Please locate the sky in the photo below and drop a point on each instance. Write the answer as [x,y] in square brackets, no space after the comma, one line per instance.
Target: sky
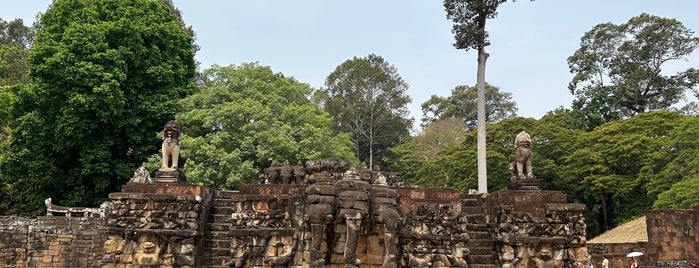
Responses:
[308,39]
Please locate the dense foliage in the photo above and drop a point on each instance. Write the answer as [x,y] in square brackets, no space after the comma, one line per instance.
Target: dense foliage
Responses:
[366,96]
[247,117]
[618,68]
[105,74]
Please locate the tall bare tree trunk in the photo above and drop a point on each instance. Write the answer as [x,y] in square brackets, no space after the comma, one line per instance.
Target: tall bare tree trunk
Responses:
[480,117]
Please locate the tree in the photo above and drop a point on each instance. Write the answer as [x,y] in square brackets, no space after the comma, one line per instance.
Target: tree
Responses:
[462,105]
[682,195]
[105,77]
[612,169]
[409,157]
[676,184]
[469,17]
[618,68]
[367,98]
[15,41]
[246,118]
[15,33]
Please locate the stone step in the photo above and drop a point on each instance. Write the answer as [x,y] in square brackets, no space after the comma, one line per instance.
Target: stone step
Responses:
[478,227]
[479,236]
[217,243]
[476,218]
[481,259]
[210,234]
[479,243]
[220,218]
[223,210]
[480,250]
[478,265]
[223,203]
[470,210]
[218,226]
[472,202]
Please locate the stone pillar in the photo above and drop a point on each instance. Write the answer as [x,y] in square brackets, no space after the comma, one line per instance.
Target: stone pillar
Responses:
[319,210]
[353,206]
[384,210]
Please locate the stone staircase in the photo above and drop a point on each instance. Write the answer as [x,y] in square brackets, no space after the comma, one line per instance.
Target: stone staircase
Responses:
[482,254]
[217,238]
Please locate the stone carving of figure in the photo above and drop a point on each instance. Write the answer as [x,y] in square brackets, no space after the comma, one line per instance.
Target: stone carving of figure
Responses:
[352,202]
[113,247]
[172,160]
[419,257]
[508,259]
[579,257]
[141,175]
[299,173]
[385,211]
[147,253]
[282,251]
[240,251]
[546,257]
[319,209]
[522,167]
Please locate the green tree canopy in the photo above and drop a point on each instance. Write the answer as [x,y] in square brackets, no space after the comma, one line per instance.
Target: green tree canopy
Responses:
[455,166]
[408,157]
[462,105]
[247,117]
[681,195]
[612,168]
[367,98]
[677,184]
[618,68]
[105,74]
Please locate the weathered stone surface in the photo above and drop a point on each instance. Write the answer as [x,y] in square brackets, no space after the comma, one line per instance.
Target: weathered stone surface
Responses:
[341,222]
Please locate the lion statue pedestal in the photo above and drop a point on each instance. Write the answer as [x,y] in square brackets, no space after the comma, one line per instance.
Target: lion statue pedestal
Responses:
[173,161]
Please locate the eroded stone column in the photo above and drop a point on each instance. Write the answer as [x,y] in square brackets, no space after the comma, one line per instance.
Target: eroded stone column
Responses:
[353,206]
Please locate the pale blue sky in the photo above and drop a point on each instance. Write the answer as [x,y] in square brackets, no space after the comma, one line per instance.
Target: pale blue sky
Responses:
[307,39]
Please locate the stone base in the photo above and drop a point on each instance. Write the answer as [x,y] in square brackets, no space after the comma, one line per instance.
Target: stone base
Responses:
[175,176]
[523,184]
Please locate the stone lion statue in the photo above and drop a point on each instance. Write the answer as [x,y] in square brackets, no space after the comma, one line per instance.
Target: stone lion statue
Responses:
[171,146]
[521,168]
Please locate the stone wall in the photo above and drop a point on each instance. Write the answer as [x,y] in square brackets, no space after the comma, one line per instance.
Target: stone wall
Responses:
[673,237]
[336,222]
[51,241]
[673,242]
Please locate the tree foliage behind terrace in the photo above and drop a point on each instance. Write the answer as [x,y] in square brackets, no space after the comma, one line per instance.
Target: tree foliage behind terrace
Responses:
[15,41]
[618,170]
[105,74]
[618,69]
[367,98]
[246,118]
[461,104]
